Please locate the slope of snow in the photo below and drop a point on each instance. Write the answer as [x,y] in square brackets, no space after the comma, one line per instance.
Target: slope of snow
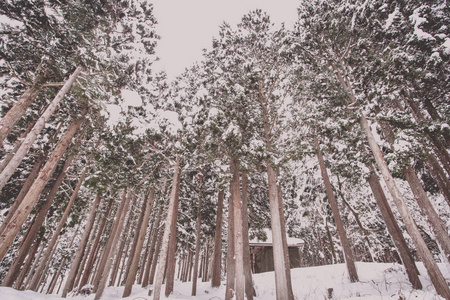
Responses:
[377,281]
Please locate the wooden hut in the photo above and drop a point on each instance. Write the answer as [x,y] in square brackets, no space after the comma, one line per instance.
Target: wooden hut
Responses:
[261,253]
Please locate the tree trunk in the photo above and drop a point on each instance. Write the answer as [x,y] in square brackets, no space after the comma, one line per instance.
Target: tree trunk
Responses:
[421,247]
[171,255]
[281,282]
[31,137]
[16,112]
[35,281]
[109,255]
[61,265]
[171,214]
[27,264]
[145,257]
[438,175]
[24,190]
[231,261]
[95,247]
[330,238]
[24,209]
[81,248]
[421,197]
[287,261]
[124,243]
[197,236]
[155,258]
[337,217]
[155,236]
[427,208]
[217,259]
[249,291]
[143,230]
[111,242]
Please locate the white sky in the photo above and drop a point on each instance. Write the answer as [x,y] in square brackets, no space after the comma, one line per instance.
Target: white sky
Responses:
[188,26]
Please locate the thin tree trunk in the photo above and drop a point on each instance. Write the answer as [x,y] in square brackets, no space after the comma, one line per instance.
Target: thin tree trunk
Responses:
[143,229]
[197,236]
[96,245]
[249,291]
[87,251]
[37,128]
[155,258]
[171,214]
[217,257]
[421,197]
[35,281]
[111,242]
[330,239]
[61,265]
[103,278]
[155,236]
[27,263]
[337,217]
[24,209]
[357,219]
[124,243]
[421,247]
[16,112]
[146,253]
[81,248]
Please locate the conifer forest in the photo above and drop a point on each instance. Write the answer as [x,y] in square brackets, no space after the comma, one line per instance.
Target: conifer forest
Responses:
[334,133]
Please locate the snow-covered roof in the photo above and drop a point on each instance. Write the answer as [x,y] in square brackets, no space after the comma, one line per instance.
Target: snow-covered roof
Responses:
[290,240]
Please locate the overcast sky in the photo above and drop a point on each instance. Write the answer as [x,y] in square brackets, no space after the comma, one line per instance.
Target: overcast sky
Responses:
[188,26]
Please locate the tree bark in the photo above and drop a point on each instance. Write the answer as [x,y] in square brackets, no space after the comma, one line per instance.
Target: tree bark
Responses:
[171,214]
[171,255]
[421,197]
[151,253]
[427,208]
[24,209]
[81,248]
[16,112]
[249,291]
[143,230]
[61,265]
[37,128]
[281,282]
[231,261]
[217,259]
[109,254]
[27,263]
[24,190]
[238,242]
[124,243]
[111,241]
[287,261]
[421,247]
[35,281]
[95,247]
[394,230]
[337,217]
[197,236]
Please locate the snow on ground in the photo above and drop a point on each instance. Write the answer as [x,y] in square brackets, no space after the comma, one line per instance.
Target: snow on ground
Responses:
[377,281]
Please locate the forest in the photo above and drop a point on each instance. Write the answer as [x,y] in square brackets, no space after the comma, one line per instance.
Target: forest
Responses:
[111,174]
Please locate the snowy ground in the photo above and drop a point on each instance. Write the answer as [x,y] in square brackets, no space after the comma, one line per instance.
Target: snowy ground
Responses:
[377,281]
